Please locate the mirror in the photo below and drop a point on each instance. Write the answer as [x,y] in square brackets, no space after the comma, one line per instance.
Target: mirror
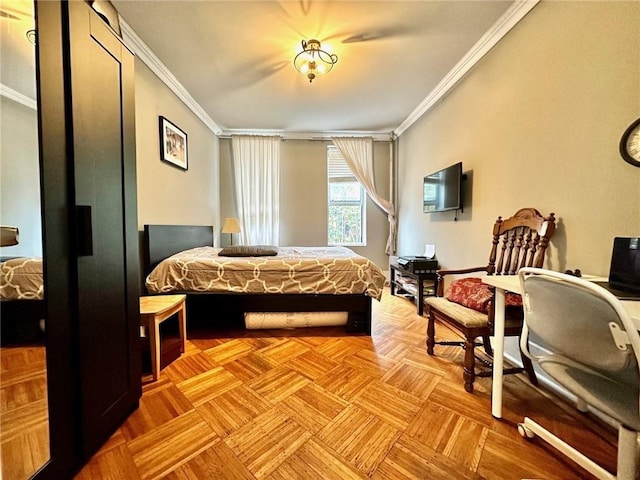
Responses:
[24,426]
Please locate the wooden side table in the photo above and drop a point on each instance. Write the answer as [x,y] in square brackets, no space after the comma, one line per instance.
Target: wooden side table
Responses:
[153,311]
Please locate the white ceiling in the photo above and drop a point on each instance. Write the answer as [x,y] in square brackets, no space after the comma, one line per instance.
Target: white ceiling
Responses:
[17,54]
[235,58]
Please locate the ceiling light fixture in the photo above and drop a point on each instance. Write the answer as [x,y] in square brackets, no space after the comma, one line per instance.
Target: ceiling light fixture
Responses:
[313,61]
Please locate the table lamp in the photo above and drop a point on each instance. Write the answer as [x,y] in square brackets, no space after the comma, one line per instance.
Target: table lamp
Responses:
[231,226]
[8,236]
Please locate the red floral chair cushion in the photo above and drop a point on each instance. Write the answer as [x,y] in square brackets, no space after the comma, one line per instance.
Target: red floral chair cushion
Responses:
[472,293]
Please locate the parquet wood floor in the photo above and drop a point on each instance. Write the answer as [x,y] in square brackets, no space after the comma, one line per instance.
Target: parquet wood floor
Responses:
[316,404]
[24,429]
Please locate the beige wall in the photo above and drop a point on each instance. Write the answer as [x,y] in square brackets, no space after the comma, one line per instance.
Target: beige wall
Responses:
[536,123]
[20,177]
[303,196]
[166,194]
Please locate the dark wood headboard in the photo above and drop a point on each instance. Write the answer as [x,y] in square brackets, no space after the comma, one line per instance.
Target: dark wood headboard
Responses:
[162,241]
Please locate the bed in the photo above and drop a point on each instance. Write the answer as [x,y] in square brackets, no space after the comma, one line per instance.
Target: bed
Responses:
[231,296]
[21,300]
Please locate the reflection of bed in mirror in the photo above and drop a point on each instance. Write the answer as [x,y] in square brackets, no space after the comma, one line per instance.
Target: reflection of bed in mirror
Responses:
[21,300]
[335,280]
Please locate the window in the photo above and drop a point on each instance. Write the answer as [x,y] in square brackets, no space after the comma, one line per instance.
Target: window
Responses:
[347,211]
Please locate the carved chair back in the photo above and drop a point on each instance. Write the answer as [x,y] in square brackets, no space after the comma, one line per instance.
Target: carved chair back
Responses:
[520,241]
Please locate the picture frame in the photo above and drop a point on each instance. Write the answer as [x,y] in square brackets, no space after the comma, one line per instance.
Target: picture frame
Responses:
[173,144]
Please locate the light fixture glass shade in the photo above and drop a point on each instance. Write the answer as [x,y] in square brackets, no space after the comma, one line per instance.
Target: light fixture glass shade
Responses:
[231,225]
[8,236]
[313,61]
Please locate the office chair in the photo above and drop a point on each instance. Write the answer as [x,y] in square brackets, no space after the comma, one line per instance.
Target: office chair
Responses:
[593,351]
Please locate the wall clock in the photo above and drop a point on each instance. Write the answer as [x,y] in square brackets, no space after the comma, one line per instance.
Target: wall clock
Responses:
[630,144]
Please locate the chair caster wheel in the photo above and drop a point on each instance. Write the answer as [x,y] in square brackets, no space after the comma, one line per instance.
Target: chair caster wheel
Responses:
[525,432]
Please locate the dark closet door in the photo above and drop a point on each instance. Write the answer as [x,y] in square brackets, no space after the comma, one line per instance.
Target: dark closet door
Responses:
[102,109]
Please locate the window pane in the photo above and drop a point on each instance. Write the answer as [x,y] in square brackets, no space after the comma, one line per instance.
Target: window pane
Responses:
[344,192]
[346,199]
[345,224]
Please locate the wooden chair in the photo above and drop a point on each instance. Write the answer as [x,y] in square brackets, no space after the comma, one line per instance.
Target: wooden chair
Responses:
[519,241]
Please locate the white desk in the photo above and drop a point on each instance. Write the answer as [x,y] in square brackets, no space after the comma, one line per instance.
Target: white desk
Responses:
[511,283]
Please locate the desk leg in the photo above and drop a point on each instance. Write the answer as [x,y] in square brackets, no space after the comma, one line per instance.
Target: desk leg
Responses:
[420,295]
[498,354]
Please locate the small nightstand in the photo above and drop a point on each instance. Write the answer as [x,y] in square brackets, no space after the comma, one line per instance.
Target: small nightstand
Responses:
[153,311]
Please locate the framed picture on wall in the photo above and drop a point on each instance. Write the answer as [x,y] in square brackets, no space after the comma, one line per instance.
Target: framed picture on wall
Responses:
[173,144]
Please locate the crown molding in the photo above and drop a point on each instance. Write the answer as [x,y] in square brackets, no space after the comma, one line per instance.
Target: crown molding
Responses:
[144,53]
[497,31]
[325,136]
[18,97]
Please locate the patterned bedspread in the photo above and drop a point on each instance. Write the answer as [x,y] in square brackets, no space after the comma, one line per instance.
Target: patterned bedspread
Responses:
[307,270]
[21,279]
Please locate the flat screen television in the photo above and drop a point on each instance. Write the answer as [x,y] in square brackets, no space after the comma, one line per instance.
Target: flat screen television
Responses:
[441,191]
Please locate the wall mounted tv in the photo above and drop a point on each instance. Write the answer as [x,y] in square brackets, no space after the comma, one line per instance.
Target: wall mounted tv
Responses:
[442,190]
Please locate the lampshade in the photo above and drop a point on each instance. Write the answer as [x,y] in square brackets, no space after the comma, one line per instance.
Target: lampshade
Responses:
[231,225]
[8,236]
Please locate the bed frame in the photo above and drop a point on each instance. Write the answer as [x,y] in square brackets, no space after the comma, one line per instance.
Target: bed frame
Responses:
[20,322]
[162,241]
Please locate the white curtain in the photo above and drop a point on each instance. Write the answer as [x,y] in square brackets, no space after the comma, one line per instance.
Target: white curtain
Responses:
[358,153]
[256,162]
